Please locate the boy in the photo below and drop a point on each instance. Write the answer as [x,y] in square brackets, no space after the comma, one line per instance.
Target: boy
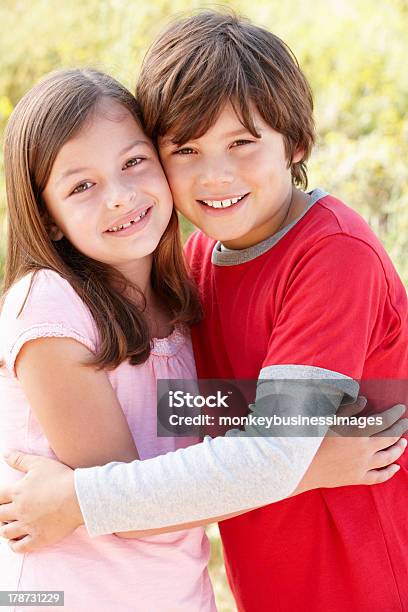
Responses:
[293,285]
[297,287]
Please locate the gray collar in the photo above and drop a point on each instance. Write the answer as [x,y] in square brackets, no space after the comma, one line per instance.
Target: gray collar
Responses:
[221,256]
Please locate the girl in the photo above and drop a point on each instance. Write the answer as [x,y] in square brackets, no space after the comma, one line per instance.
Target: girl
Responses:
[96,292]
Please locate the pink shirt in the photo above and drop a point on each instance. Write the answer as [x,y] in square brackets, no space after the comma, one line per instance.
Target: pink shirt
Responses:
[166,573]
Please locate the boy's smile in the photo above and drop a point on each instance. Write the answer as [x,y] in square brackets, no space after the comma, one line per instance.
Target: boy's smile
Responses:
[233,186]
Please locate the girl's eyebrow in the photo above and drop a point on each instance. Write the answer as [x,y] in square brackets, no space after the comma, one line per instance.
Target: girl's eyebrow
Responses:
[128,147]
[71,171]
[134,143]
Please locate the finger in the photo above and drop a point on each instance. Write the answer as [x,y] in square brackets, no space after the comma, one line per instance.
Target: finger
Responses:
[388,418]
[5,495]
[26,544]
[396,430]
[8,512]
[381,443]
[378,476]
[20,461]
[12,530]
[352,409]
[385,457]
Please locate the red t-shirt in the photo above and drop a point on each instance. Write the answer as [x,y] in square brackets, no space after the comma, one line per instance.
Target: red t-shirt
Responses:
[324,294]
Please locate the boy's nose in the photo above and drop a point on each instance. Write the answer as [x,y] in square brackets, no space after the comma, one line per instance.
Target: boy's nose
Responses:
[214,175]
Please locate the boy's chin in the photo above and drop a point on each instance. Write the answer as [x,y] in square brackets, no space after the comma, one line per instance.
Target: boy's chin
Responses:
[219,235]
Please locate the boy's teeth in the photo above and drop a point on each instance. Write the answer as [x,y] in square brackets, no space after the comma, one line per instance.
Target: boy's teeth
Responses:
[222,203]
[116,228]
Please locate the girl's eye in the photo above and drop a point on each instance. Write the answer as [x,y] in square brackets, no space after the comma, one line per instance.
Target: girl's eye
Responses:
[239,143]
[184,151]
[82,187]
[135,161]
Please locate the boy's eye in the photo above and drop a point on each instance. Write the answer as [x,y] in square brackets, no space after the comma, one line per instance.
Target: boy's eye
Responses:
[184,151]
[238,143]
[82,187]
[134,161]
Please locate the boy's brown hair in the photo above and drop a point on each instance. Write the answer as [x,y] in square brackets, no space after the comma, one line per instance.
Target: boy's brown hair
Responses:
[200,63]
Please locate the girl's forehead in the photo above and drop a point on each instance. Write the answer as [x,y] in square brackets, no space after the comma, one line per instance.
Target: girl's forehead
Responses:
[103,136]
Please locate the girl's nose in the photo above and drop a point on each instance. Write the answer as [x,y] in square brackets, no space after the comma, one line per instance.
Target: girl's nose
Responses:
[119,197]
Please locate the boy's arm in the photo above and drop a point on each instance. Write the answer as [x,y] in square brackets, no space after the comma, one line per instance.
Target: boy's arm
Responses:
[321,338]
[224,475]
[42,508]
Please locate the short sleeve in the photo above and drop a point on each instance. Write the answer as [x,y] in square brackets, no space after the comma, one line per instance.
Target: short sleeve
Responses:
[332,310]
[43,304]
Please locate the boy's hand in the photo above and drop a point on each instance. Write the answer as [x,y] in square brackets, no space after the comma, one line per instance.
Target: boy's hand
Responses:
[42,507]
[345,457]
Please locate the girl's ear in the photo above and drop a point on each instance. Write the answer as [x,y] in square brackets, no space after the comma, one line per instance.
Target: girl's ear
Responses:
[55,233]
[52,229]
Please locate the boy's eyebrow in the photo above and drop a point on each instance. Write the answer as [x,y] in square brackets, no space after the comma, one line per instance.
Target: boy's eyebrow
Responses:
[242,130]
[168,140]
[128,147]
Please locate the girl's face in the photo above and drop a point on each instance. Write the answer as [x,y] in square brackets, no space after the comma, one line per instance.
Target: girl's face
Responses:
[107,192]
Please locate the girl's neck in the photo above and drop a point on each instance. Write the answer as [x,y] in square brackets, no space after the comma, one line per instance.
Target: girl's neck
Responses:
[139,274]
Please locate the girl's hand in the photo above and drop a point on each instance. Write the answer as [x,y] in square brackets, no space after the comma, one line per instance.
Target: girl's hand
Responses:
[41,508]
[346,457]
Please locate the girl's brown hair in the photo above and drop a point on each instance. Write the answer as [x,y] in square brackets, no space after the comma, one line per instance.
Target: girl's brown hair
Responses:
[49,115]
[199,63]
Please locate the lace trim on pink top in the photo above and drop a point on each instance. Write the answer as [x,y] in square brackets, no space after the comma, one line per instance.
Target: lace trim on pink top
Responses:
[171,344]
[161,347]
[44,330]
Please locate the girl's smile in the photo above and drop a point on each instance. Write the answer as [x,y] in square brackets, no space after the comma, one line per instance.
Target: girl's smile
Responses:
[132,223]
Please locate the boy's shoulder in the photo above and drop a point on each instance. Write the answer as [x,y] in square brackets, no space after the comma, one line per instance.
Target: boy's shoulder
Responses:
[331,216]
[331,222]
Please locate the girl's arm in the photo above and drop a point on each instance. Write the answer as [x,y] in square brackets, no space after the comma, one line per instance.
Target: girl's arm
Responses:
[75,405]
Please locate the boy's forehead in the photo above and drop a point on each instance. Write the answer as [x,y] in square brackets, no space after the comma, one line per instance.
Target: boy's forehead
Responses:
[228,124]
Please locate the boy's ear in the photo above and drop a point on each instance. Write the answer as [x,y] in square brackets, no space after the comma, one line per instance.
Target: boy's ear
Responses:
[298,155]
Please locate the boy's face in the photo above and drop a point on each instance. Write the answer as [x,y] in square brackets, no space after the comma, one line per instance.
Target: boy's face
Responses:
[234,187]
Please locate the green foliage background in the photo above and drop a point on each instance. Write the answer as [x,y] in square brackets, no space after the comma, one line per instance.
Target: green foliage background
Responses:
[354,53]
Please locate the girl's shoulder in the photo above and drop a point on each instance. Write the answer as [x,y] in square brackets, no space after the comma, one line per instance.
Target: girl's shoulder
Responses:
[44,289]
[44,304]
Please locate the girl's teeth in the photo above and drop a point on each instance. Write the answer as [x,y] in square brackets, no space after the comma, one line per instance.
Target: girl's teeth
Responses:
[116,228]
